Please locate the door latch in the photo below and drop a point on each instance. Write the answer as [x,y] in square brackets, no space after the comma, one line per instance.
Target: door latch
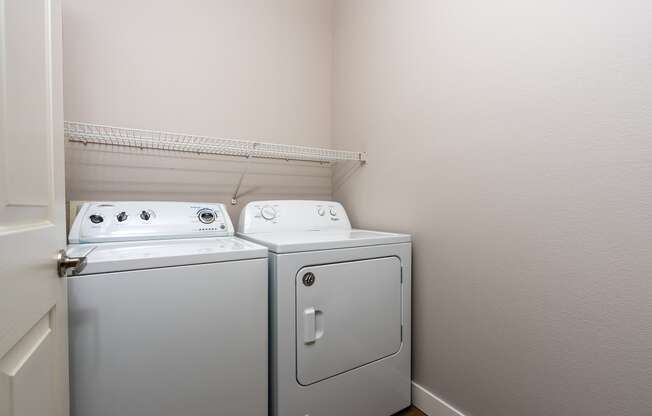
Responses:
[65,263]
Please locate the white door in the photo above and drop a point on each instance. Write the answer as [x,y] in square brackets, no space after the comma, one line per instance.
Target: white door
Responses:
[33,309]
[348,315]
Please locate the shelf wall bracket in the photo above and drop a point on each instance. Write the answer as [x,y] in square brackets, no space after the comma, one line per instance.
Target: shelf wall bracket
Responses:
[234,198]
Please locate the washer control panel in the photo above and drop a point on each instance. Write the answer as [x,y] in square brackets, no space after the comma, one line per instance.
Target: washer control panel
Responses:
[290,215]
[145,220]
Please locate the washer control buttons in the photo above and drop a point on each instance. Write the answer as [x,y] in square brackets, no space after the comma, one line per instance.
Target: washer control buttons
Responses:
[333,212]
[145,215]
[207,216]
[268,212]
[321,211]
[122,216]
[96,219]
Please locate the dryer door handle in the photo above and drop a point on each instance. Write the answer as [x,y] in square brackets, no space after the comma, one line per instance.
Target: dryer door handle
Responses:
[309,325]
[313,325]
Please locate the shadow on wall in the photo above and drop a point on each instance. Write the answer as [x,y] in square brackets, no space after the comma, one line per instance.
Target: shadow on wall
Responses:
[344,172]
[95,172]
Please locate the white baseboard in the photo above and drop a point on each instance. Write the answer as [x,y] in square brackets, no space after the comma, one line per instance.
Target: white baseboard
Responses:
[430,404]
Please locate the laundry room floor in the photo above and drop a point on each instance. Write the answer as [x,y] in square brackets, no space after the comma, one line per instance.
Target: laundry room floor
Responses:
[410,411]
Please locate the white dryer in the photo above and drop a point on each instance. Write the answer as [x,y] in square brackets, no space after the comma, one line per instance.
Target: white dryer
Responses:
[339,310]
[169,315]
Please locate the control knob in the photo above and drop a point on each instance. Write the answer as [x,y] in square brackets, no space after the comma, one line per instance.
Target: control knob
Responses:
[145,216]
[321,211]
[268,212]
[206,216]
[121,217]
[333,212]
[96,219]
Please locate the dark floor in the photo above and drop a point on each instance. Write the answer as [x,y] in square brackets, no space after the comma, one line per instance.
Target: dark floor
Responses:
[411,411]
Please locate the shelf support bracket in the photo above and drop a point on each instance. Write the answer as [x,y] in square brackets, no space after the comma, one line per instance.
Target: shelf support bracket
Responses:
[234,198]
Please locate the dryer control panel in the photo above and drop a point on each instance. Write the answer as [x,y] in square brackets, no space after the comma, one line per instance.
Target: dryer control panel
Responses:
[98,222]
[291,215]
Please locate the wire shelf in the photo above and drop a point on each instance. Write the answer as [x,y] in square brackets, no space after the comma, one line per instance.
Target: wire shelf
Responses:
[149,139]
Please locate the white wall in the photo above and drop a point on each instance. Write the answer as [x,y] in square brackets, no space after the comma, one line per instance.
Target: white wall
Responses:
[251,69]
[513,139]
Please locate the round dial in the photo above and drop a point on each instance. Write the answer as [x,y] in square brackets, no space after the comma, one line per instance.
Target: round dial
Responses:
[268,212]
[321,211]
[145,215]
[206,215]
[121,217]
[333,212]
[96,219]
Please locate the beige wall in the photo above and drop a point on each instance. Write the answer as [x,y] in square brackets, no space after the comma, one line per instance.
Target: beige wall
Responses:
[252,69]
[513,139]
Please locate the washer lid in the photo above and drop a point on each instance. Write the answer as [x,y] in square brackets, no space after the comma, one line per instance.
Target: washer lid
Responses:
[295,241]
[123,256]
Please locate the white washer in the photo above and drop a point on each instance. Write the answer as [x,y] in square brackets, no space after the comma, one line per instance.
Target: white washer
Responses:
[339,310]
[169,316]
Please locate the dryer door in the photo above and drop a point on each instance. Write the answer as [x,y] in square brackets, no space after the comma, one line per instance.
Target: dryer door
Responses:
[348,315]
